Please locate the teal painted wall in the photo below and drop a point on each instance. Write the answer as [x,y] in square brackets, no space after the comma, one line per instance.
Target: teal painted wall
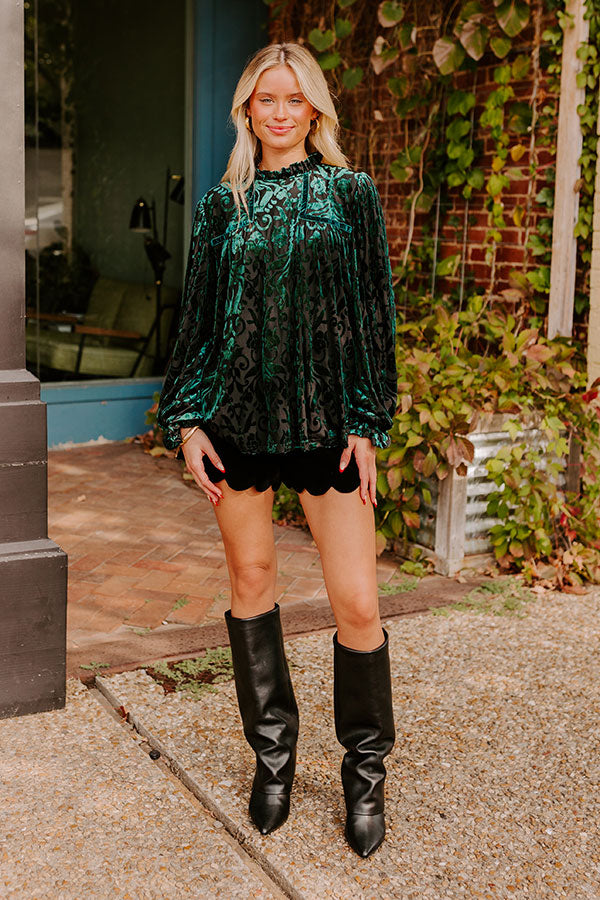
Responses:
[111,409]
[225,36]
[129,112]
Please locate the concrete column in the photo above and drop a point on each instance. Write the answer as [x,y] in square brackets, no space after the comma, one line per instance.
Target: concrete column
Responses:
[33,570]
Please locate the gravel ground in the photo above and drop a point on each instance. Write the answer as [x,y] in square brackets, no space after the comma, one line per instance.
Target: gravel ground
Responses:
[87,814]
[493,785]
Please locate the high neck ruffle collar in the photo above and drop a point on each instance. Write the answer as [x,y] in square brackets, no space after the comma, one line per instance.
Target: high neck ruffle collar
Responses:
[296,168]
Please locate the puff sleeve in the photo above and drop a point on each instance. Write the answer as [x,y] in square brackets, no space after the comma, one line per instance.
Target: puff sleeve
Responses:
[180,404]
[373,396]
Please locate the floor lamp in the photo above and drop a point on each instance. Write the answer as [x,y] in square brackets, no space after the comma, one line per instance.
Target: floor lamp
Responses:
[143,220]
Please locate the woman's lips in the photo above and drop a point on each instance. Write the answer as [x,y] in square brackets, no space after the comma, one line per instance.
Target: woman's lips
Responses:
[279,130]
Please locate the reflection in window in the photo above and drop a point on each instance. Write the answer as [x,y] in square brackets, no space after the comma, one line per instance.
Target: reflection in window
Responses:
[104,101]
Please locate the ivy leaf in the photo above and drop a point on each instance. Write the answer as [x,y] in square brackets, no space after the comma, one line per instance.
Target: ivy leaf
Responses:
[520,66]
[397,86]
[382,55]
[321,40]
[400,171]
[545,197]
[517,151]
[429,464]
[454,179]
[496,183]
[407,35]
[447,267]
[519,118]
[418,460]
[474,37]
[500,46]
[380,538]
[513,426]
[476,178]
[352,77]
[467,449]
[413,439]
[329,61]
[518,213]
[460,102]
[343,27]
[512,16]
[394,477]
[539,352]
[382,484]
[412,519]
[448,55]
[457,129]
[389,13]
[441,418]
[424,202]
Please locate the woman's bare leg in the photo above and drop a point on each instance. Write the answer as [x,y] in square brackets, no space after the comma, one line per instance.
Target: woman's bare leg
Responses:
[245,519]
[344,531]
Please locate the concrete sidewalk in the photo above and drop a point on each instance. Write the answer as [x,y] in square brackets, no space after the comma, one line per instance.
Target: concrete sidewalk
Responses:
[493,787]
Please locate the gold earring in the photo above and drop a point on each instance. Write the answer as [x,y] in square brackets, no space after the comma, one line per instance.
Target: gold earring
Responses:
[317,121]
[248,123]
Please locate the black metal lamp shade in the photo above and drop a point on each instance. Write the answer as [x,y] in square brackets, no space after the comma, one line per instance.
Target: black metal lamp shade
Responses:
[140,217]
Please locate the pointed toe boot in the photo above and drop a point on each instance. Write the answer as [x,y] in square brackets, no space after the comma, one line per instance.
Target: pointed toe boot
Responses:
[364,724]
[268,710]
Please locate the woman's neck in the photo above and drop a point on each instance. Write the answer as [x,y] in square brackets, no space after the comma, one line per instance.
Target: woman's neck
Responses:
[271,161]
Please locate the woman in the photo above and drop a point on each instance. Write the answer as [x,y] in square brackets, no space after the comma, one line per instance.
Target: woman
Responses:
[284,370]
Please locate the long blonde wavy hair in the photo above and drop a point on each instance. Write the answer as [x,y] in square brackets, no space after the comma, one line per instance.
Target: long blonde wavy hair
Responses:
[241,165]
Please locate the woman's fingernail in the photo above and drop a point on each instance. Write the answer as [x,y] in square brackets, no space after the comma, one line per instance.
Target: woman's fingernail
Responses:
[222,467]
[342,467]
[374,502]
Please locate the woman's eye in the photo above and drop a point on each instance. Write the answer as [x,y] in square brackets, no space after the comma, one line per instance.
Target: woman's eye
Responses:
[293,100]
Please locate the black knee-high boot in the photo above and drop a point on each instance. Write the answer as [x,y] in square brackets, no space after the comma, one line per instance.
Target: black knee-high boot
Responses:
[364,724]
[268,710]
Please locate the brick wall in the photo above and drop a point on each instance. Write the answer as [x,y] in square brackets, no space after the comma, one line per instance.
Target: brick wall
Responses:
[372,143]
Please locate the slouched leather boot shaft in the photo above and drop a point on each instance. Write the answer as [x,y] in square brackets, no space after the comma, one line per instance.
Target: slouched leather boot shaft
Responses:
[268,710]
[364,723]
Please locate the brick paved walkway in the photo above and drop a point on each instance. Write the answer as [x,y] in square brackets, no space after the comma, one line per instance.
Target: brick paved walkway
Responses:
[145,551]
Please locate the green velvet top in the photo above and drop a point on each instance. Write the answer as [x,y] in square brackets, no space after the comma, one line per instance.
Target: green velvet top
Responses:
[287,331]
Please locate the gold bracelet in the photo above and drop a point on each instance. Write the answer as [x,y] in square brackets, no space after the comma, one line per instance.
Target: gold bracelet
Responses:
[189,434]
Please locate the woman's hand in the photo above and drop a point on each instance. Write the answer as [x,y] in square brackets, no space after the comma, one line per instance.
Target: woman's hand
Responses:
[193,449]
[364,453]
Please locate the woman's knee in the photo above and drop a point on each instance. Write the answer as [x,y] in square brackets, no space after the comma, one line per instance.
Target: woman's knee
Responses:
[250,579]
[359,609]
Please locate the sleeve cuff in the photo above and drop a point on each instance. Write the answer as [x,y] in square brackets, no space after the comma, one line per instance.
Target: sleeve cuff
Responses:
[378,438]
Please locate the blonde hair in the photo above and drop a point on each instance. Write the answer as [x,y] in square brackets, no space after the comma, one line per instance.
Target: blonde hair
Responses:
[241,165]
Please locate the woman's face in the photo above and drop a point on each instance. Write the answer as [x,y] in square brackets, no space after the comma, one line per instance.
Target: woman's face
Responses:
[280,113]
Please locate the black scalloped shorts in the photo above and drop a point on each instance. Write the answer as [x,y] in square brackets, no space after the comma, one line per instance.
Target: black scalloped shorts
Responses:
[313,470]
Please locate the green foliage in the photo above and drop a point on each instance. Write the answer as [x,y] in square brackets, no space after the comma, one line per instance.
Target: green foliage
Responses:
[287,507]
[500,597]
[478,362]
